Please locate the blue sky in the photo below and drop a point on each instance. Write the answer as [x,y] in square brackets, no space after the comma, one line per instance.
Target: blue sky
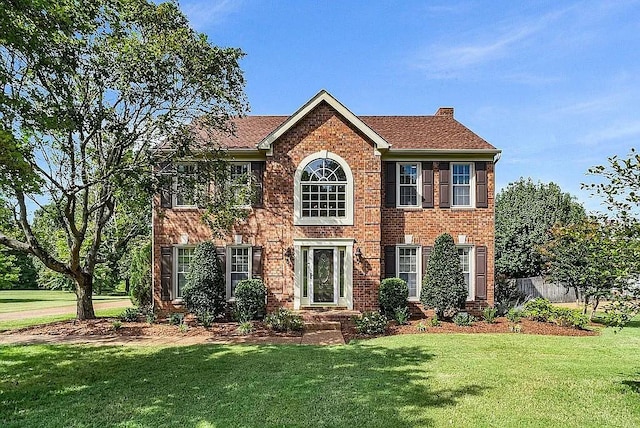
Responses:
[554,84]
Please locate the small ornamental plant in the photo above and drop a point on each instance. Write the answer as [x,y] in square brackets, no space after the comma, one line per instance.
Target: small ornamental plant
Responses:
[371,323]
[489,314]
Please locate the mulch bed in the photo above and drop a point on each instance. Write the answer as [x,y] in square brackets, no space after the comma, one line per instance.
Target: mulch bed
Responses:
[500,326]
[104,326]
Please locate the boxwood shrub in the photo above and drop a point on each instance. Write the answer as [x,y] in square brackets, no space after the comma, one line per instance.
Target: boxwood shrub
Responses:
[393,295]
[250,301]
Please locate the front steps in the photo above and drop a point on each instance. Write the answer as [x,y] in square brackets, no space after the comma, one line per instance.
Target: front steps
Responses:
[324,325]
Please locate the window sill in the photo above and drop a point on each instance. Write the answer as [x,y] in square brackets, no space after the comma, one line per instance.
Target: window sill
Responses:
[462,208]
[185,208]
[414,299]
[177,302]
[408,208]
[323,221]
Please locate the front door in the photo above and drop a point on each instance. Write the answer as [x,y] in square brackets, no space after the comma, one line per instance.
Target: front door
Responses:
[324,276]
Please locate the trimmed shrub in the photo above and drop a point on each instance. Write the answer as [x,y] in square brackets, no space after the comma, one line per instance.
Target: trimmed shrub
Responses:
[206,319]
[205,290]
[250,304]
[540,310]
[283,320]
[130,315]
[140,275]
[393,295]
[443,286]
[464,319]
[489,314]
[371,323]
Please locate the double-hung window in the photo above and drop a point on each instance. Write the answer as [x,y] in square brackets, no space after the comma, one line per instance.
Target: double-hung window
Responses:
[465,263]
[408,185]
[239,267]
[408,264]
[461,184]
[241,182]
[183,263]
[185,195]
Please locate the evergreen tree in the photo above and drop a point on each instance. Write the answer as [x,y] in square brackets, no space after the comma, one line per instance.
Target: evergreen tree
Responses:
[205,293]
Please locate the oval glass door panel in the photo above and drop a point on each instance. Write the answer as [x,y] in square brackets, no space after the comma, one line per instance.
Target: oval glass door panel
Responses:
[323,276]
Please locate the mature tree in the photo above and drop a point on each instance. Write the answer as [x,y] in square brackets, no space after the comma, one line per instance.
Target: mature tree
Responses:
[525,214]
[592,258]
[443,286]
[90,89]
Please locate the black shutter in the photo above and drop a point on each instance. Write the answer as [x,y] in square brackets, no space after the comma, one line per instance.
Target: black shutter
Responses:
[256,262]
[482,196]
[445,200]
[221,252]
[389,261]
[257,172]
[426,254]
[166,273]
[427,184]
[481,272]
[166,185]
[390,185]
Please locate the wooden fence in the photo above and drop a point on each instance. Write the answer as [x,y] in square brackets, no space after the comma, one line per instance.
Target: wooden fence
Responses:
[537,287]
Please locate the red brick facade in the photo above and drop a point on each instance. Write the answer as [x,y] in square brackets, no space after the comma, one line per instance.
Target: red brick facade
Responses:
[375,227]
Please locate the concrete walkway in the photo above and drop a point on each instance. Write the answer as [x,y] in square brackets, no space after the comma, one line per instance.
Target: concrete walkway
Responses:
[61,310]
[322,337]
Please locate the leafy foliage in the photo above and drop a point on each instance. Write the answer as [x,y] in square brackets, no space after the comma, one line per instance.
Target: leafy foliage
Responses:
[251,303]
[401,315]
[393,295]
[245,327]
[515,315]
[371,323]
[525,213]
[594,257]
[464,319]
[130,315]
[140,274]
[205,290]
[489,314]
[284,320]
[176,318]
[443,287]
[622,308]
[89,91]
[542,310]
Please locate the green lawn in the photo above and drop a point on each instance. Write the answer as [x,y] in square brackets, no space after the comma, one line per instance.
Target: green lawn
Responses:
[27,300]
[17,324]
[507,380]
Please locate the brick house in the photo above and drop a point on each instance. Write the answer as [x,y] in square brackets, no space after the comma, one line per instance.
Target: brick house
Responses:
[343,202]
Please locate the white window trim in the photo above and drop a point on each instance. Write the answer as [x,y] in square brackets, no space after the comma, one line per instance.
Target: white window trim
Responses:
[174,186]
[472,185]
[298,220]
[228,268]
[472,270]
[249,180]
[418,185]
[177,299]
[418,268]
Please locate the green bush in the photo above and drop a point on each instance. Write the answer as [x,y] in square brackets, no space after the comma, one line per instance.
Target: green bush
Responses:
[515,315]
[205,290]
[393,294]
[140,275]
[250,301]
[206,319]
[540,310]
[130,315]
[435,321]
[489,314]
[401,315]
[464,319]
[176,318]
[443,287]
[284,320]
[245,327]
[371,323]
[116,325]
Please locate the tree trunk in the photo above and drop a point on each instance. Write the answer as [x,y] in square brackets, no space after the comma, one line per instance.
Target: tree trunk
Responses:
[84,297]
[127,285]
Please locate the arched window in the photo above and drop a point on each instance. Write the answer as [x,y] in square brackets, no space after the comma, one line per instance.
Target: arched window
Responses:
[324,190]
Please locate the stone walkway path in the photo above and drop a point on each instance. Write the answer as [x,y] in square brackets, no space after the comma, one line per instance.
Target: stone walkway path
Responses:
[321,337]
[61,310]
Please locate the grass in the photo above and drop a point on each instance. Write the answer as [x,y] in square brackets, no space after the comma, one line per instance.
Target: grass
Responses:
[27,322]
[27,300]
[399,381]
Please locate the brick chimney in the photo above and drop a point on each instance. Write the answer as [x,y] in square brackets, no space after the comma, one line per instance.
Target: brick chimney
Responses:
[445,111]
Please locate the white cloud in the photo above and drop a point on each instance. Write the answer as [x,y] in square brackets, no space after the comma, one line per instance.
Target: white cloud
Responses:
[624,130]
[205,13]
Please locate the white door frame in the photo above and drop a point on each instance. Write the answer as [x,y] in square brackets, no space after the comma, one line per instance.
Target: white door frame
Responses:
[335,243]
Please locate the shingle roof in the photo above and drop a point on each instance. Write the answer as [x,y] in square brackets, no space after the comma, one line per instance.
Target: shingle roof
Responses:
[402,132]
